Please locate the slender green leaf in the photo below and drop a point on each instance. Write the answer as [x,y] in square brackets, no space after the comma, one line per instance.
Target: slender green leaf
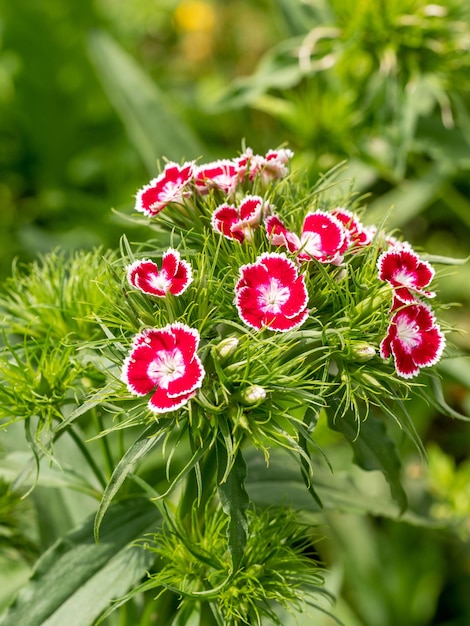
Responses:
[235,501]
[137,451]
[153,125]
[76,579]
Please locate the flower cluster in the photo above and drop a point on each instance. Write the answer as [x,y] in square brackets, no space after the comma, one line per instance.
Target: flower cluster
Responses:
[310,265]
[413,337]
[178,182]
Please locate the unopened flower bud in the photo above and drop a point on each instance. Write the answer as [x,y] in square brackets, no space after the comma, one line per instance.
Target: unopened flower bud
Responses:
[226,347]
[362,351]
[253,395]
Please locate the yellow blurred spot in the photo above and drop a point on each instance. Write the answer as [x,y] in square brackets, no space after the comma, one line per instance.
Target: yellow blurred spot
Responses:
[195,15]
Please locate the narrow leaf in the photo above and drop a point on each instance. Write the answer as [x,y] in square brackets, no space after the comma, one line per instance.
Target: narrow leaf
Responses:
[235,501]
[141,446]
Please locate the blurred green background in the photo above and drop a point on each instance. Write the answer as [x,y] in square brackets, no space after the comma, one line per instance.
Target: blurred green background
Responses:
[93,93]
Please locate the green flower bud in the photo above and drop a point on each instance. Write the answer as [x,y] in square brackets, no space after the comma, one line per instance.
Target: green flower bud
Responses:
[253,395]
[226,347]
[362,351]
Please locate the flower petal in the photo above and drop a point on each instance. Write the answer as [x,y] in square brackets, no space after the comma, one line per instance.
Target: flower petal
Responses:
[223,219]
[168,187]
[323,237]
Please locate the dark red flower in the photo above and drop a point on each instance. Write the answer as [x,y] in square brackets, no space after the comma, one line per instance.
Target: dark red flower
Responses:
[164,361]
[414,339]
[174,276]
[270,293]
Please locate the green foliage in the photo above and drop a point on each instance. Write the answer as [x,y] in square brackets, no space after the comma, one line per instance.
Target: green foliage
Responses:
[311,420]
[276,569]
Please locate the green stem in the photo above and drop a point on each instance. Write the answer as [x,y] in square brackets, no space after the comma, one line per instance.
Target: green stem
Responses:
[90,460]
[104,443]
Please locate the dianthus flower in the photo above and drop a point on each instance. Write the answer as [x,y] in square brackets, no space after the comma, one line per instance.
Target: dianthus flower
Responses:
[269,167]
[270,293]
[174,277]
[221,174]
[164,361]
[414,339]
[406,272]
[359,235]
[323,237]
[239,223]
[171,186]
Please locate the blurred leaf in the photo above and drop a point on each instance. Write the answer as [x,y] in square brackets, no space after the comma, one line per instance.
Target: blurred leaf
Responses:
[408,198]
[355,491]
[373,450]
[76,579]
[152,123]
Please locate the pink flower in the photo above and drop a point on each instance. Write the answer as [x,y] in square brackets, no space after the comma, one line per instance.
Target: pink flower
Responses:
[240,223]
[323,237]
[174,276]
[170,186]
[271,294]
[221,174]
[414,339]
[358,234]
[164,361]
[406,272]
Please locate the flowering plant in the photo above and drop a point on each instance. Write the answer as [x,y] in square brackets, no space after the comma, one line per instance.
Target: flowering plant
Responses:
[261,313]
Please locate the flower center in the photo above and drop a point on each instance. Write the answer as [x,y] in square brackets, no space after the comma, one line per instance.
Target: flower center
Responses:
[312,244]
[272,296]
[160,281]
[166,367]
[402,277]
[408,333]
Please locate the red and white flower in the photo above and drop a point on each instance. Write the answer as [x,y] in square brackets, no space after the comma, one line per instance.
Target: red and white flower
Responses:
[174,276]
[171,186]
[240,223]
[164,361]
[280,236]
[270,293]
[358,234]
[323,237]
[221,174]
[269,167]
[406,272]
[414,339]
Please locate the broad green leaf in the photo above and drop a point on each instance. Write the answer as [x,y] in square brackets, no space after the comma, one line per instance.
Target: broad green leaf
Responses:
[152,123]
[135,453]
[235,501]
[373,450]
[76,579]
